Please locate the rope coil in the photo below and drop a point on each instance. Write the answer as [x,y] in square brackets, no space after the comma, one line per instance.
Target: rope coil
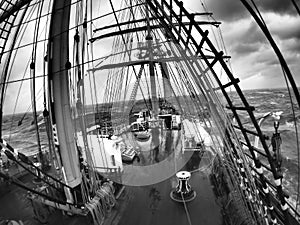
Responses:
[102,203]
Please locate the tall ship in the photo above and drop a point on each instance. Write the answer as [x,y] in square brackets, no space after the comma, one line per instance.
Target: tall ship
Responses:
[128,112]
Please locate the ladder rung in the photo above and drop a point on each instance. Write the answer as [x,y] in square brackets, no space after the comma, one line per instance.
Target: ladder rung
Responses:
[235,81]
[250,132]
[9,2]
[245,130]
[218,56]
[6,21]
[249,108]
[4,30]
[263,165]
[204,37]
[254,149]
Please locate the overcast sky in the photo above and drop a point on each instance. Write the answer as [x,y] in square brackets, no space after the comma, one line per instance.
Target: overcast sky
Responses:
[253,61]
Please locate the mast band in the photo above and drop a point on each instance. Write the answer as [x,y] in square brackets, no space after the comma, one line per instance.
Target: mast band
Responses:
[259,170]
[284,207]
[277,182]
[266,190]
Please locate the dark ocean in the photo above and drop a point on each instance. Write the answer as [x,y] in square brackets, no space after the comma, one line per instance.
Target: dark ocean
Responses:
[22,135]
[279,100]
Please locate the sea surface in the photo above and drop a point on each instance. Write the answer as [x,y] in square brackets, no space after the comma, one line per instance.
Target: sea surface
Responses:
[20,133]
[279,100]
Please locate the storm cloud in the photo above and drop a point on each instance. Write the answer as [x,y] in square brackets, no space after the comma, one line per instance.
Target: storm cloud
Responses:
[230,10]
[253,59]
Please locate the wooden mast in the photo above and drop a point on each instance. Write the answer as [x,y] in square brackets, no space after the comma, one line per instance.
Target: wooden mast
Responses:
[149,42]
[58,70]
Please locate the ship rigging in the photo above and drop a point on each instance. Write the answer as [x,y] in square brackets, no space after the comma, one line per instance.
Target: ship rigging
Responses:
[133,107]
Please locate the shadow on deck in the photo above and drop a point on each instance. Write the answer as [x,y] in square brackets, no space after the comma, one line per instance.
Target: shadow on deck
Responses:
[138,205]
[152,205]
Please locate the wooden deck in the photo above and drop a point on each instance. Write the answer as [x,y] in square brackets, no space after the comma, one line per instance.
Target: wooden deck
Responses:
[151,205]
[146,199]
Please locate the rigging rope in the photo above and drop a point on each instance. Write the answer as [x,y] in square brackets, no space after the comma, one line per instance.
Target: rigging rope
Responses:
[297,140]
[33,87]
[102,203]
[7,71]
[296,6]
[116,77]
[186,210]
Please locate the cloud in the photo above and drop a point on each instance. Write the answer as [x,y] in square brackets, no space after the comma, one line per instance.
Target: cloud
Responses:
[284,26]
[277,6]
[231,10]
[251,52]
[253,34]
[243,49]
[242,37]
[227,10]
[267,57]
[292,45]
[260,80]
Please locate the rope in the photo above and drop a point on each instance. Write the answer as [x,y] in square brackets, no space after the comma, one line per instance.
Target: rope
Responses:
[296,6]
[102,203]
[259,14]
[7,71]
[186,210]
[215,115]
[24,115]
[297,140]
[33,84]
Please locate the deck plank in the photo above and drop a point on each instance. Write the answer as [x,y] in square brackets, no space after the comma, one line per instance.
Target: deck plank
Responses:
[152,205]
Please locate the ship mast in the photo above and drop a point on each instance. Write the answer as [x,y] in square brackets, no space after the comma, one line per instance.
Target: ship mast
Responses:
[149,42]
[58,70]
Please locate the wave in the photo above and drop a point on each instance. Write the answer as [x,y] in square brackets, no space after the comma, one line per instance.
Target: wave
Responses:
[264,92]
[291,165]
[22,134]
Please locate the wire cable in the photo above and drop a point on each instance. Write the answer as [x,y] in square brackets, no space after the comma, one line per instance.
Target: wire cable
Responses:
[297,139]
